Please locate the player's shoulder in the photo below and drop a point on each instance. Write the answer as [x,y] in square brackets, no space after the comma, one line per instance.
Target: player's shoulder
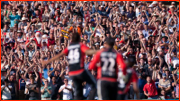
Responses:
[101,50]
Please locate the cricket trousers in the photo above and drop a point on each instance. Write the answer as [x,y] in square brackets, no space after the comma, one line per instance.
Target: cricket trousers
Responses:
[87,77]
[107,90]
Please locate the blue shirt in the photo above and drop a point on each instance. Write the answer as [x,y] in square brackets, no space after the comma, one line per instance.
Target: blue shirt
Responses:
[86,65]
[45,70]
[22,84]
[141,83]
[131,15]
[102,13]
[13,18]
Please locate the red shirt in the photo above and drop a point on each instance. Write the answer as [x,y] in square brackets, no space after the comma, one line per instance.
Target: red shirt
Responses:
[38,44]
[51,42]
[150,89]
[96,59]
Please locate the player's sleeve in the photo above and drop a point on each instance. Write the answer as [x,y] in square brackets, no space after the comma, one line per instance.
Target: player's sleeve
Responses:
[95,60]
[121,62]
[84,48]
[65,51]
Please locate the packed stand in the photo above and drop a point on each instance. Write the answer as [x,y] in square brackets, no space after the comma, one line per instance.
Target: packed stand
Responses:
[148,32]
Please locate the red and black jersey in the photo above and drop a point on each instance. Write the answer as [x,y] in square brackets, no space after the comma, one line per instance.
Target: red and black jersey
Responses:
[123,87]
[109,61]
[76,57]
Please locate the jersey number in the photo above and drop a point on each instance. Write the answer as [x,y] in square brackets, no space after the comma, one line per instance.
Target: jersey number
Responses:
[106,62]
[73,55]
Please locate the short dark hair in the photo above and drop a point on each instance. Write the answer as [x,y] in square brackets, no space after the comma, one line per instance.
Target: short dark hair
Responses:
[110,41]
[148,76]
[32,77]
[75,37]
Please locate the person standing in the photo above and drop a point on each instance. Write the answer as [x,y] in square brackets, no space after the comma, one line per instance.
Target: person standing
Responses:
[55,87]
[109,60]
[150,89]
[67,90]
[6,90]
[33,89]
[46,91]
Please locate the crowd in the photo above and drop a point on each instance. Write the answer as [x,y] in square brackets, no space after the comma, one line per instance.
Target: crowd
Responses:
[33,31]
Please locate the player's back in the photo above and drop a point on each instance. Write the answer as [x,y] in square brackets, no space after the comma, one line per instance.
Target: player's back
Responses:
[108,64]
[75,55]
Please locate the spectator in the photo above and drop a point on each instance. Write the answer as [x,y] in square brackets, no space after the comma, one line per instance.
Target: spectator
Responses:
[141,83]
[6,90]
[55,88]
[33,89]
[164,84]
[163,95]
[46,91]
[150,89]
[67,90]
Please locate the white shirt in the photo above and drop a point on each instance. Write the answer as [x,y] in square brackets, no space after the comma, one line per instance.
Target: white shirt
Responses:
[175,61]
[145,33]
[67,95]
[6,93]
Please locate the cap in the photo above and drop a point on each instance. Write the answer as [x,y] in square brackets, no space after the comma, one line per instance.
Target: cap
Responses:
[171,6]
[57,9]
[166,69]
[101,47]
[150,6]
[19,31]
[154,2]
[92,20]
[24,18]
[96,43]
[162,47]
[150,31]
[44,41]
[129,19]
[11,42]
[102,6]
[155,14]
[44,36]
[12,72]
[22,72]
[156,57]
[164,75]
[172,3]
[37,33]
[157,20]
[164,37]
[141,67]
[117,39]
